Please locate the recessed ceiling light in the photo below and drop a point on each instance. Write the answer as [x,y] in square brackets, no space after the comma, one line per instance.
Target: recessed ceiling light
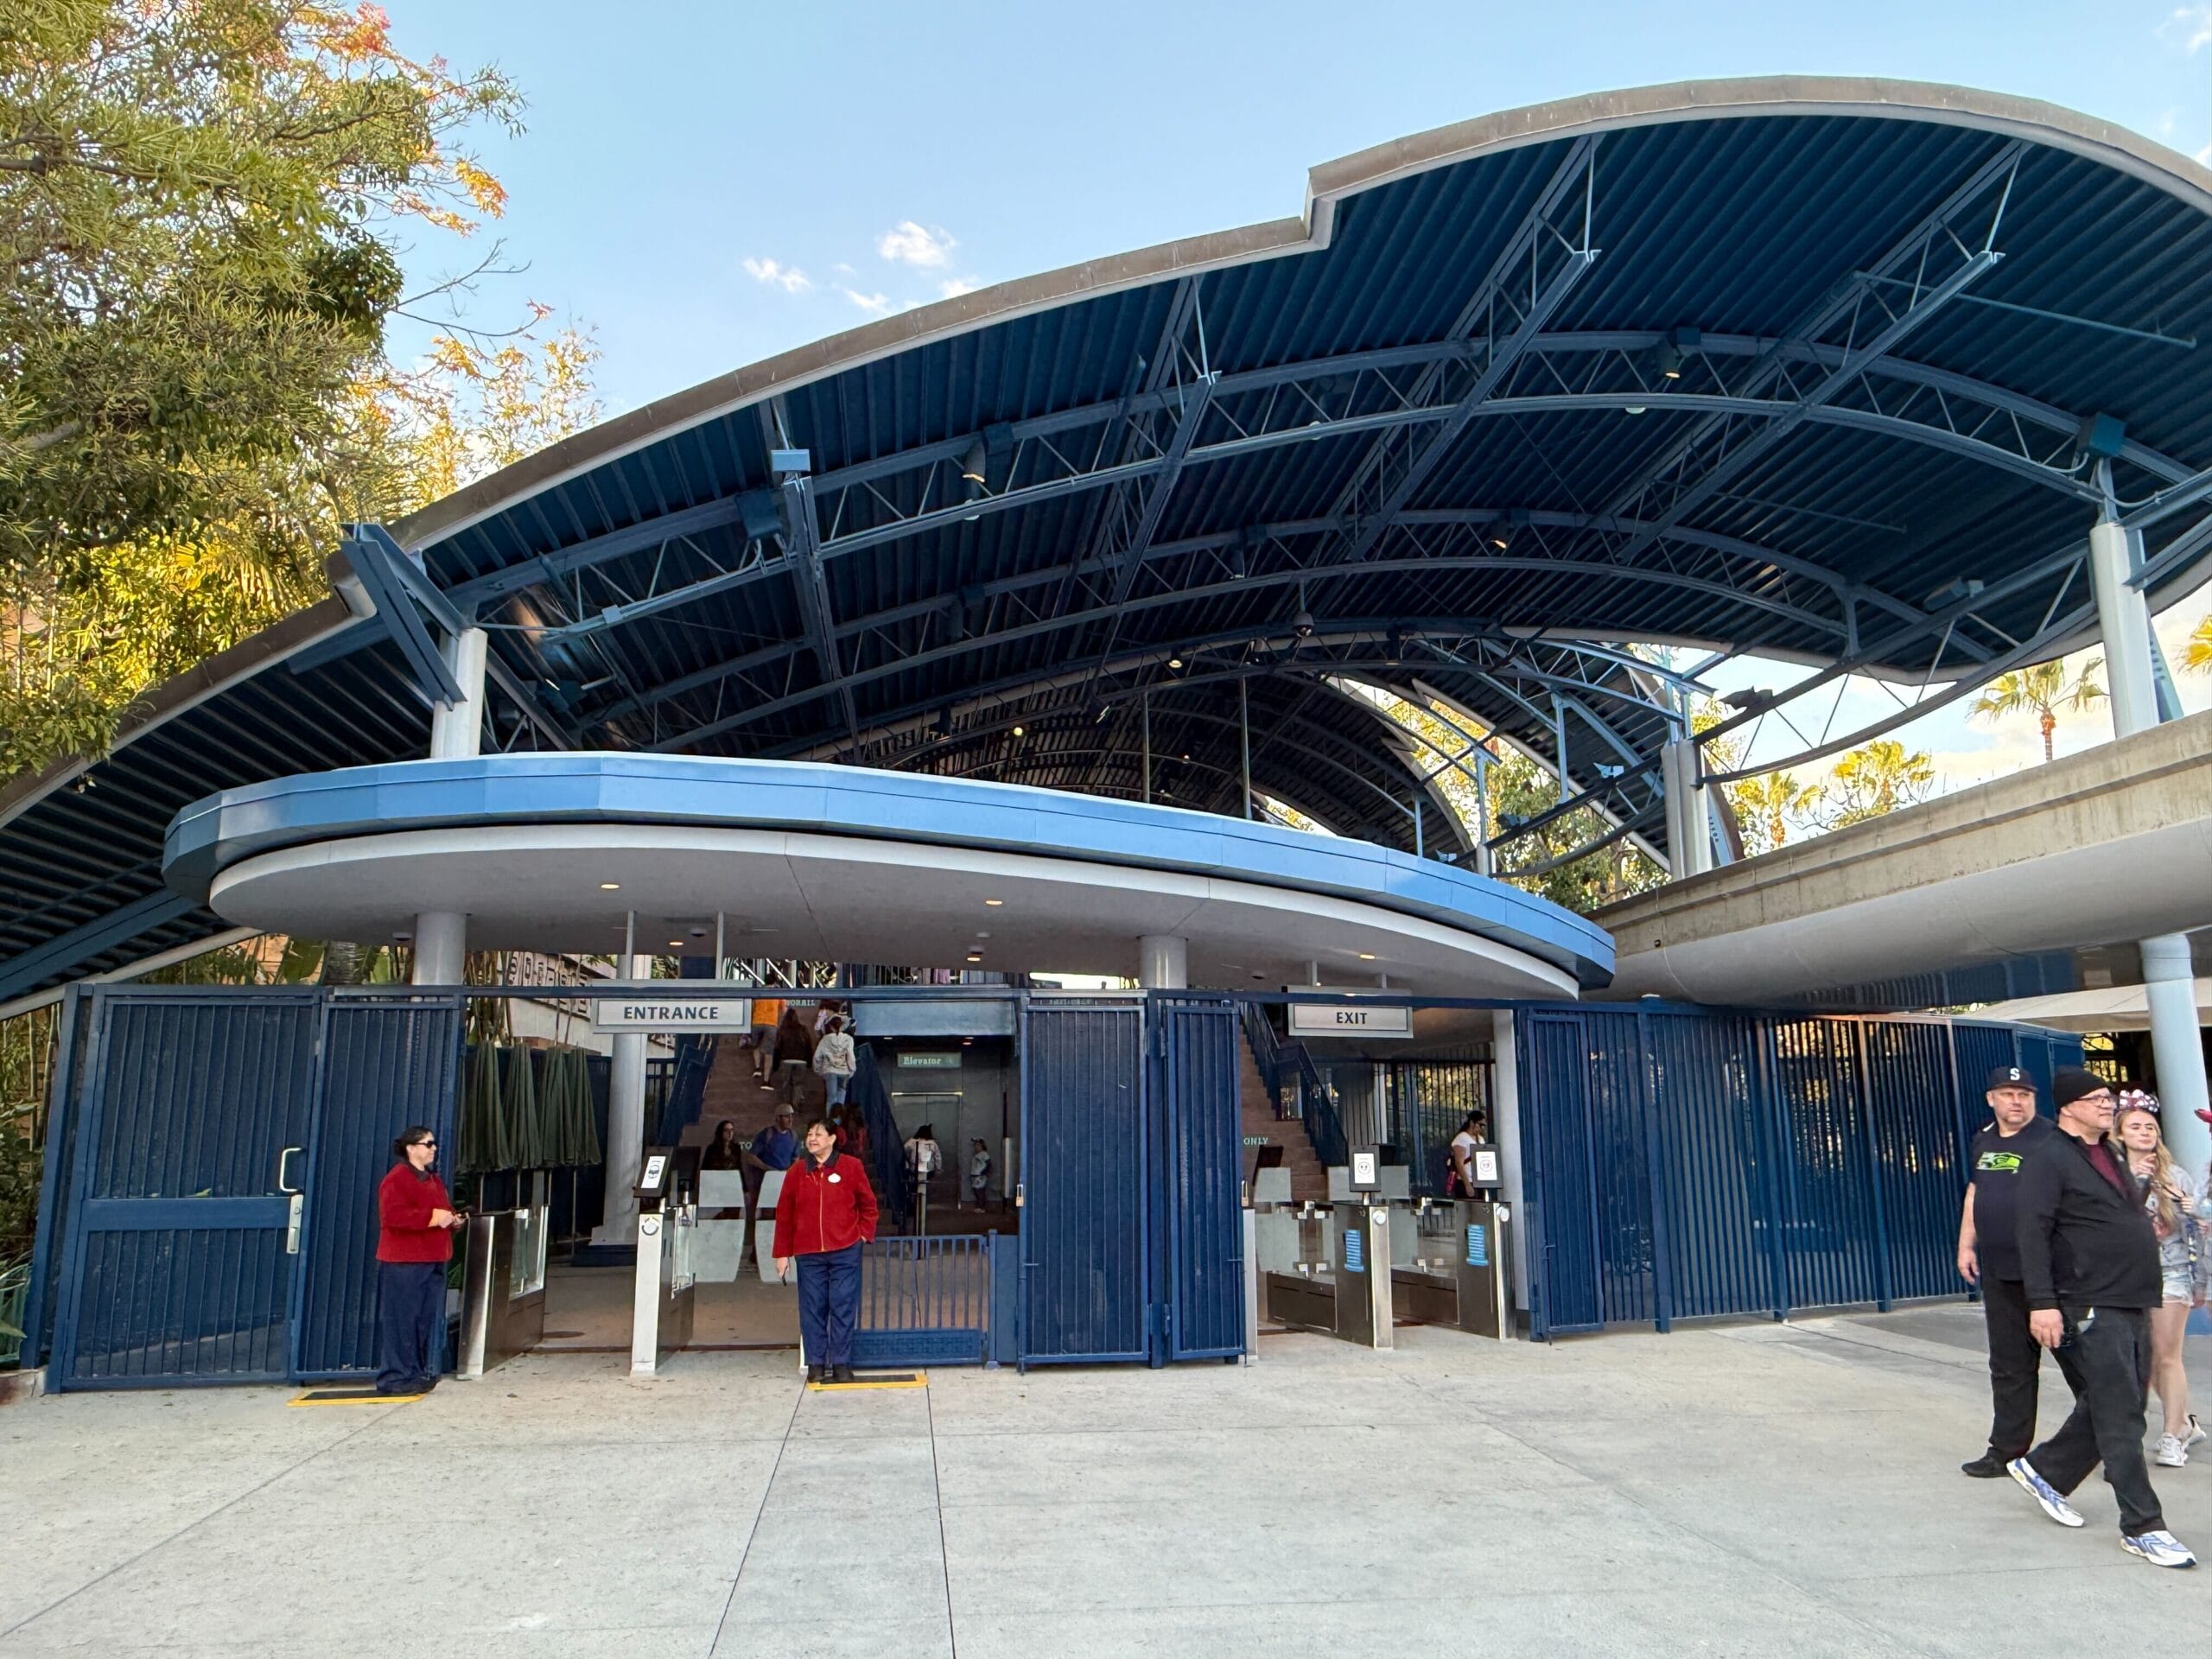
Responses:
[975,956]
[995,903]
[610,886]
[676,944]
[1017,731]
[1367,955]
[1174,662]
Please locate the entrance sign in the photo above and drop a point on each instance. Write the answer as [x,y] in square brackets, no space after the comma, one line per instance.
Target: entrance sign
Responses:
[1350,1020]
[672,1013]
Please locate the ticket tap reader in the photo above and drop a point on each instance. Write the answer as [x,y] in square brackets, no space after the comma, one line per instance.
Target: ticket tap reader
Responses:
[1363,1263]
[1483,1268]
[660,1314]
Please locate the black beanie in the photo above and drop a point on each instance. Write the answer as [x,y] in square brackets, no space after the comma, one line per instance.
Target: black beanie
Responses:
[2070,1083]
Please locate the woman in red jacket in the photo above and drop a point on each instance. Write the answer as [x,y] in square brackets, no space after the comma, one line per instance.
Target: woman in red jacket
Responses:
[826,1213]
[414,1243]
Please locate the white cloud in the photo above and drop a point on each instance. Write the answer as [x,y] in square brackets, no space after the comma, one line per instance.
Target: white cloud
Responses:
[790,278]
[909,244]
[841,269]
[875,305]
[953,287]
[2190,26]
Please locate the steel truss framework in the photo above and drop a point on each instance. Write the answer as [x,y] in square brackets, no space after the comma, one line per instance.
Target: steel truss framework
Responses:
[1201,535]
[1725,402]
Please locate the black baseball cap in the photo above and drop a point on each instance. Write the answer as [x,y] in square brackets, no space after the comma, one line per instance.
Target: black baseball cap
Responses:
[2009,1076]
[2071,1084]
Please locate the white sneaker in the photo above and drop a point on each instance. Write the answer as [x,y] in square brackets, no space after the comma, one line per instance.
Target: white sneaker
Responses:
[2053,1501]
[2195,1434]
[2172,1454]
[2159,1548]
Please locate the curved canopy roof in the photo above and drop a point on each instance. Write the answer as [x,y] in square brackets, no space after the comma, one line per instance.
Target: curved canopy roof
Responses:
[1838,371]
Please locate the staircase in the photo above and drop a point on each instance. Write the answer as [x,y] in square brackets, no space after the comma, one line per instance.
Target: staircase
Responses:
[1257,1109]
[731,1093]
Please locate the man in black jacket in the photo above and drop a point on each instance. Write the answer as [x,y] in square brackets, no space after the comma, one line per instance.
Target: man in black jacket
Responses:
[2089,1261]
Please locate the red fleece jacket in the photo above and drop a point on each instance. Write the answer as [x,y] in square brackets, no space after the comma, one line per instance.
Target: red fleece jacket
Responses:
[824,1207]
[404,1206]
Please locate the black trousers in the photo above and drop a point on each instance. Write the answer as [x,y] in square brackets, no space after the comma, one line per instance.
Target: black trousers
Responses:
[2015,1362]
[2110,1351]
[412,1310]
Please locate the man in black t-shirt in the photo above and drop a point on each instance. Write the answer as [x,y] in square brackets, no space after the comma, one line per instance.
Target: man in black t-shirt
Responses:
[1989,1255]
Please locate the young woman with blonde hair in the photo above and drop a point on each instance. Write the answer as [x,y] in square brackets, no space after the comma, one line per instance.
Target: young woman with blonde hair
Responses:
[2172,1199]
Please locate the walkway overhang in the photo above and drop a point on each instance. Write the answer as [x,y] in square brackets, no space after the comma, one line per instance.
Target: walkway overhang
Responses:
[2112,844]
[833,863]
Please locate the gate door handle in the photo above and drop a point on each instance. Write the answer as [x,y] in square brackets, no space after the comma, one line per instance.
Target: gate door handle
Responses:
[284,1161]
[292,1225]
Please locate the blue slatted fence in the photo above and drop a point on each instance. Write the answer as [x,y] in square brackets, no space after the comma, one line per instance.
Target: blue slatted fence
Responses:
[1681,1163]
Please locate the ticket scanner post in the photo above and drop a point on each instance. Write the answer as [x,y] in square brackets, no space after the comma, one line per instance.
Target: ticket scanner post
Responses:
[1363,1264]
[1481,1265]
[660,1314]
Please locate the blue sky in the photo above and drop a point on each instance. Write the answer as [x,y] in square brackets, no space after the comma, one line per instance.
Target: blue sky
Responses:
[683,160]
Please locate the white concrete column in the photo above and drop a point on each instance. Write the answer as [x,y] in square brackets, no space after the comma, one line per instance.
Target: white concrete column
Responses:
[1689,831]
[441,946]
[2170,989]
[1163,963]
[1505,1128]
[442,936]
[2124,619]
[2177,1045]
[625,1124]
[458,733]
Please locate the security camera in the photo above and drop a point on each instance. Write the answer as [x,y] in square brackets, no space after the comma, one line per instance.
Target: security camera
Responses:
[1302,625]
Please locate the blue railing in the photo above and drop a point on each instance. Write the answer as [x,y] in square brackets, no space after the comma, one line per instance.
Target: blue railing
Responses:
[925,1300]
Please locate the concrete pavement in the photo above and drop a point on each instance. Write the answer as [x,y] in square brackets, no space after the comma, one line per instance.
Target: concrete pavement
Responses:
[1740,1489]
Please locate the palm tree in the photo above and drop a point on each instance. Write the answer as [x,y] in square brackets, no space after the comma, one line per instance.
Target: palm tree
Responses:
[1766,806]
[1878,777]
[2197,655]
[2043,690]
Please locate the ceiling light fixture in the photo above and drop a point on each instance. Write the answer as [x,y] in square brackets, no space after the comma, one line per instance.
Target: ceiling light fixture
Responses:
[610,886]
[1018,731]
[1174,662]
[995,903]
[1367,955]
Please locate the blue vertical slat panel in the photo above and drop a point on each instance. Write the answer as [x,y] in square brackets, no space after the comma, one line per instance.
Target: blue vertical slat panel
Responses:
[1202,1171]
[387,1063]
[1915,1122]
[1976,1052]
[1620,1150]
[1005,1347]
[1711,1156]
[1827,1205]
[1559,1176]
[176,1269]
[925,1301]
[1086,1268]
[61,1116]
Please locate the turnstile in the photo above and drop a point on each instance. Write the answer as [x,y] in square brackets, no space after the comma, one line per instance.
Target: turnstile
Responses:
[503,1283]
[660,1310]
[1361,1265]
[1456,1271]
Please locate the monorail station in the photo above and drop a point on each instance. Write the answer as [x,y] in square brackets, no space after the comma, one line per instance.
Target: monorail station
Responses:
[1022,678]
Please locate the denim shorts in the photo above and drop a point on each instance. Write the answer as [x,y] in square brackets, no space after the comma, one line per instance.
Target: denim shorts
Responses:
[2176,1286]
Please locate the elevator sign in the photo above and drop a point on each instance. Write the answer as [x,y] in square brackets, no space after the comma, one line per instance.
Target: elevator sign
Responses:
[1350,1020]
[672,1013]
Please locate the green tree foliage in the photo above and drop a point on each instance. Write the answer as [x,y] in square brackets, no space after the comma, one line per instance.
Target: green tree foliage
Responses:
[1877,778]
[2041,690]
[200,207]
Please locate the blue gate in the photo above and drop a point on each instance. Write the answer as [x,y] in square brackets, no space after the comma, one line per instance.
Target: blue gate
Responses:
[386,1064]
[1132,1230]
[220,1171]
[1086,1267]
[925,1301]
[193,1125]
[1198,1209]
[1684,1162]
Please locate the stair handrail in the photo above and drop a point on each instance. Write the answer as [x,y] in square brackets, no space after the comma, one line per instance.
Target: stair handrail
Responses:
[1314,1102]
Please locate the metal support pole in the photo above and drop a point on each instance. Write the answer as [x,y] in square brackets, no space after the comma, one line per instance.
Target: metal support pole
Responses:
[720,931]
[456,734]
[2169,983]
[1146,703]
[2177,1049]
[1417,847]
[1559,743]
[2124,618]
[1484,864]
[1244,737]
